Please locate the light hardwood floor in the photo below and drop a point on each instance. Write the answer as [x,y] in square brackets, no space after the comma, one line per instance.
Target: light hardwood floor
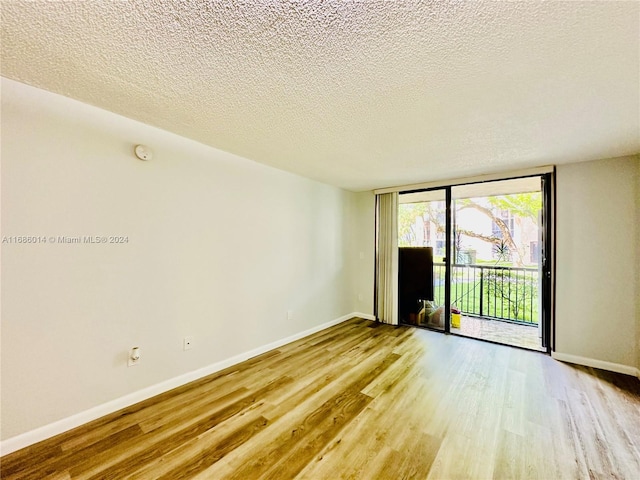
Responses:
[365,401]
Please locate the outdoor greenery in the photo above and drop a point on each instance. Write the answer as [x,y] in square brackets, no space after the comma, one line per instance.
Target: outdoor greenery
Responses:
[466,297]
[520,206]
[516,292]
[508,293]
[407,214]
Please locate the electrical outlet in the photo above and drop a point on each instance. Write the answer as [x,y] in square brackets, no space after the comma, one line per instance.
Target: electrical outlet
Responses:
[187,343]
[289,314]
[360,297]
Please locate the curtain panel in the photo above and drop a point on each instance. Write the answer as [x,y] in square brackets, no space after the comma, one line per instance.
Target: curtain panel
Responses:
[387,258]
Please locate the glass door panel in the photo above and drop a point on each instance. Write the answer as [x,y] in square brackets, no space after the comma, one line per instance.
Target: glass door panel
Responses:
[422,247]
[495,271]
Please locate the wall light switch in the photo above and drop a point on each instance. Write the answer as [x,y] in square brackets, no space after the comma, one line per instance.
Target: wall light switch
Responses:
[134,357]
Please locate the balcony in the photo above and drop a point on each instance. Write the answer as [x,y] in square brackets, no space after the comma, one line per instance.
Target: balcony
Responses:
[497,303]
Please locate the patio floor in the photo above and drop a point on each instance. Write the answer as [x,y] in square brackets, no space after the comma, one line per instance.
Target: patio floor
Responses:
[502,332]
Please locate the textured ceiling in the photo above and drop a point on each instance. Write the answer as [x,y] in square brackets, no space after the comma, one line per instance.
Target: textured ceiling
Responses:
[359,94]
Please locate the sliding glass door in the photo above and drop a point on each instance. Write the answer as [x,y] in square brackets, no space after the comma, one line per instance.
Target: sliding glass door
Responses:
[496,269]
[422,252]
[475,260]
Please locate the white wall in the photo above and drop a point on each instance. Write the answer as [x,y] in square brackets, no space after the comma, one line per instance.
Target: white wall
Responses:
[364,252]
[597,256]
[637,268]
[219,248]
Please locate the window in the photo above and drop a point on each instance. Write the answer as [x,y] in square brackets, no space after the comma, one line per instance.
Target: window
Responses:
[534,252]
[507,217]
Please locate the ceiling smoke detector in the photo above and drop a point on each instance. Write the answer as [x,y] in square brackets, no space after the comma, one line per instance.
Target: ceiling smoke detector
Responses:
[143,152]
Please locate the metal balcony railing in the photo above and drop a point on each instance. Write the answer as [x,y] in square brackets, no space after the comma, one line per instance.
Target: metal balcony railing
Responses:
[505,293]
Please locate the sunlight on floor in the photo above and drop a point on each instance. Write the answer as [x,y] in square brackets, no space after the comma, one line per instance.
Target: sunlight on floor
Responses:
[502,332]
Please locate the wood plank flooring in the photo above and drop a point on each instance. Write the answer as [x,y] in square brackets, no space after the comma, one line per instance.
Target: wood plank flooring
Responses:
[364,401]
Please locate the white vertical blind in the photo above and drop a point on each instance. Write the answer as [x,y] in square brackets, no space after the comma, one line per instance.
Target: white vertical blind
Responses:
[387,261]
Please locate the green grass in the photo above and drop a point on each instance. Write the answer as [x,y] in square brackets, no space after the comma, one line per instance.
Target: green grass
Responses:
[466,296]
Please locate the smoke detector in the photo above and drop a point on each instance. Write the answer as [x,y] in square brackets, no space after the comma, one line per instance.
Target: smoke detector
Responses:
[143,152]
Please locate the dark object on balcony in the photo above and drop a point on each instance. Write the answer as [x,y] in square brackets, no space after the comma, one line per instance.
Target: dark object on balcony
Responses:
[415,281]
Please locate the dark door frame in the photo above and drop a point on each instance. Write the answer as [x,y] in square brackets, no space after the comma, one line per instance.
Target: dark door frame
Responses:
[547,316]
[548,260]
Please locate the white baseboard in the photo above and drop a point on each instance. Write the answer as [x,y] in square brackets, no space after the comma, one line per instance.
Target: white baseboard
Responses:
[366,316]
[601,364]
[47,431]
